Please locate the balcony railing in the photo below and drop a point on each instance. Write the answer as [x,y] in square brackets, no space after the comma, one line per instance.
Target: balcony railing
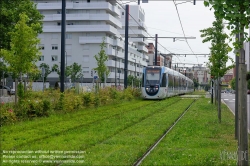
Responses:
[82,28]
[93,39]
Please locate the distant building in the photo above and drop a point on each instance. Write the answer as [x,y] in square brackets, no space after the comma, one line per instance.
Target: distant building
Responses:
[162,59]
[228,77]
[87,22]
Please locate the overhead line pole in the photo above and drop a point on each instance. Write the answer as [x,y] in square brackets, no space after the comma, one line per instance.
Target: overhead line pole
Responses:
[126,47]
[156,41]
[63,46]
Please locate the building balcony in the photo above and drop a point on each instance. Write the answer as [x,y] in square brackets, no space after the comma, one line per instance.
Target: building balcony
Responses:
[53,6]
[92,39]
[138,40]
[111,63]
[132,23]
[143,48]
[85,16]
[82,28]
[71,5]
[145,57]
[142,33]
[119,43]
[98,5]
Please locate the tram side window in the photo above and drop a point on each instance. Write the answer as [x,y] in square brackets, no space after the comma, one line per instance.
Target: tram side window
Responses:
[164,80]
[142,84]
[176,82]
[170,80]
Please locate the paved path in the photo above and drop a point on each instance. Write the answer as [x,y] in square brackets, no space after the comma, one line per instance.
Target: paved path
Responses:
[229,100]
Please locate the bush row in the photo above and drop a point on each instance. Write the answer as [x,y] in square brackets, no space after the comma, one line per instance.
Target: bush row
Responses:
[40,104]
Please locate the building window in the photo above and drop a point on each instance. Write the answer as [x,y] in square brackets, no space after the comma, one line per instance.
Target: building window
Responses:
[54,58]
[122,13]
[54,47]
[85,58]
[41,58]
[85,69]
[41,47]
[68,35]
[88,1]
[58,23]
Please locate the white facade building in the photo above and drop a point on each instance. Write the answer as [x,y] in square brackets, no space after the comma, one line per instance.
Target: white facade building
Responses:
[87,22]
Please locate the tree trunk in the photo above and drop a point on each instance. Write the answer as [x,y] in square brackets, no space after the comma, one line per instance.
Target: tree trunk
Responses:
[219,100]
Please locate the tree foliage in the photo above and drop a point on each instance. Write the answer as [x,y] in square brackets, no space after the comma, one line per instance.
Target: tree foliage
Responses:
[75,71]
[136,81]
[46,69]
[23,51]
[237,15]
[101,58]
[219,48]
[9,16]
[196,83]
[3,70]
[232,83]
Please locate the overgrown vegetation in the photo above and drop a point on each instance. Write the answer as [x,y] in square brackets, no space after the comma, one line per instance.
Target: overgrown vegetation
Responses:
[39,104]
[198,139]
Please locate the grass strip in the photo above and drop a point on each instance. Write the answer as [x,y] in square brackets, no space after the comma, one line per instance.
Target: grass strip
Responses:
[84,137]
[130,144]
[14,136]
[198,139]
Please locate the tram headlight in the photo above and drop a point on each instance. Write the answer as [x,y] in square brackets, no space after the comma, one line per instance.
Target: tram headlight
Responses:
[147,89]
[156,88]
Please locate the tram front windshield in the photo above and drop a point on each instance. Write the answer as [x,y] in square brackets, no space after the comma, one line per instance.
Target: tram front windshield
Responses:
[153,76]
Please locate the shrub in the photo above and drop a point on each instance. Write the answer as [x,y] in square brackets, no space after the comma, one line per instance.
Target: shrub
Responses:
[96,101]
[87,99]
[59,105]
[7,114]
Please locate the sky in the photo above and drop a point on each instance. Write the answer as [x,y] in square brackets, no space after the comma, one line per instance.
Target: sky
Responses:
[161,18]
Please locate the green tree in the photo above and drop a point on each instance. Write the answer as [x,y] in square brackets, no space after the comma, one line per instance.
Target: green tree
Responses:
[237,16]
[56,68]
[132,80]
[75,71]
[196,83]
[46,69]
[9,16]
[35,74]
[232,83]
[101,58]
[23,51]
[219,49]
[3,70]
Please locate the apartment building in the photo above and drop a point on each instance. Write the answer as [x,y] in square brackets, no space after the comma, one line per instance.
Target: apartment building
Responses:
[87,22]
[137,31]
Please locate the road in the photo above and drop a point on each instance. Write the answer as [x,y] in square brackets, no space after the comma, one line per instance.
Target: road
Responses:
[229,99]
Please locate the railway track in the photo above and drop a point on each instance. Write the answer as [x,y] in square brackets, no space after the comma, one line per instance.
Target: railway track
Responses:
[69,129]
[154,145]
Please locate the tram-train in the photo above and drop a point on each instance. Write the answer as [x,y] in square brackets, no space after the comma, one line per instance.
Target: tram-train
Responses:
[159,82]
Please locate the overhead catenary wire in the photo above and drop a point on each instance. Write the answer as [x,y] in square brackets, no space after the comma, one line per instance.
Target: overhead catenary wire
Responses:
[183,28]
[140,25]
[151,35]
